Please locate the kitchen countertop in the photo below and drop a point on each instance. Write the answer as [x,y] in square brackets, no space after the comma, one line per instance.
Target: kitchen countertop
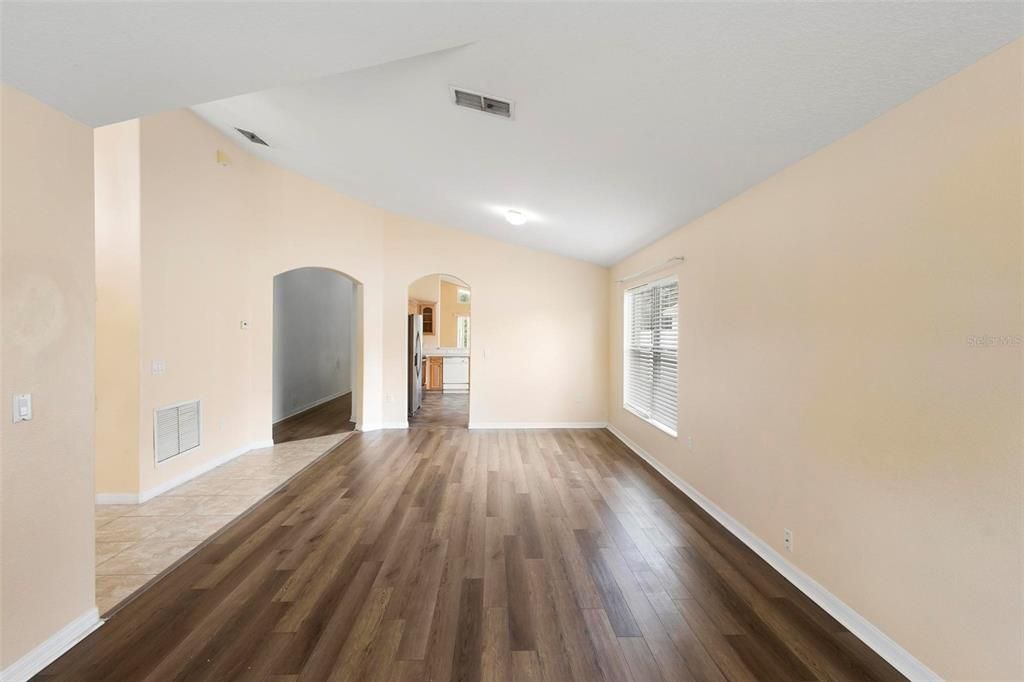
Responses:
[446,353]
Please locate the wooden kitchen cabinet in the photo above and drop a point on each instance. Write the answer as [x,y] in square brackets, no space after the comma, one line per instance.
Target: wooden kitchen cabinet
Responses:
[433,378]
[427,311]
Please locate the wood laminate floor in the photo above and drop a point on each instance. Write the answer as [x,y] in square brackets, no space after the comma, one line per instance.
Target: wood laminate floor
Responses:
[448,554]
[334,416]
[442,409]
[136,542]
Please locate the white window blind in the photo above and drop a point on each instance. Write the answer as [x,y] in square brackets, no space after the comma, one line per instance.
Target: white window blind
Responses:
[651,345]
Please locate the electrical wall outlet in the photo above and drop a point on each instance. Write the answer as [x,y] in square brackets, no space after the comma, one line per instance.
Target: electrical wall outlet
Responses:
[787,539]
[158,367]
[689,442]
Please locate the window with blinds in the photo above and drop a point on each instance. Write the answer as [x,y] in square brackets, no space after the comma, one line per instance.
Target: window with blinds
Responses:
[651,349]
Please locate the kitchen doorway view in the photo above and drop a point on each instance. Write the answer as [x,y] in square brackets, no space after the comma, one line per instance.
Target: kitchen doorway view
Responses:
[314,353]
[439,338]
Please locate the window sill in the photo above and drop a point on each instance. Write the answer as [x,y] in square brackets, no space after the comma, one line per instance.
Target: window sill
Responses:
[658,425]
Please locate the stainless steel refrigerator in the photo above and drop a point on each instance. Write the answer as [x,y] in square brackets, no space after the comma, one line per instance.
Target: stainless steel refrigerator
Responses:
[415,363]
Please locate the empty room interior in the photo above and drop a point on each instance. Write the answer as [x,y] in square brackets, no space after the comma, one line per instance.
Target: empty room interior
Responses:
[512,341]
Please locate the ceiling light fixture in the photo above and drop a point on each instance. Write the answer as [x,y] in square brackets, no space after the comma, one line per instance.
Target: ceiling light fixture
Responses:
[515,217]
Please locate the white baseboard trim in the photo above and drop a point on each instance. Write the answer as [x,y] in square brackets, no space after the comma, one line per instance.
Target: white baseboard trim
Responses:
[50,650]
[117,498]
[146,495]
[377,426]
[863,629]
[537,425]
[202,469]
[311,405]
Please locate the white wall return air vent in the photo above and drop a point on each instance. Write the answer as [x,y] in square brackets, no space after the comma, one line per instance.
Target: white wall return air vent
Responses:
[483,103]
[175,429]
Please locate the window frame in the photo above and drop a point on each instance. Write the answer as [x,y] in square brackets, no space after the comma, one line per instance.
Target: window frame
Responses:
[462,338]
[627,320]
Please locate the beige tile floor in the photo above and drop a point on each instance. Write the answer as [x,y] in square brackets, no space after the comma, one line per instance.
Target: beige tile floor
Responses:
[135,542]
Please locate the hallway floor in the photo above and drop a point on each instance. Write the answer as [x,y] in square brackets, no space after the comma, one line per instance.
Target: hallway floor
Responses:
[332,417]
[442,409]
[136,542]
[448,554]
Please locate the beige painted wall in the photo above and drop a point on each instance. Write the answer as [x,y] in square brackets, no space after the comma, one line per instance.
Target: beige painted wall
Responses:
[48,293]
[426,289]
[829,376]
[201,222]
[118,293]
[214,236]
[450,311]
[516,379]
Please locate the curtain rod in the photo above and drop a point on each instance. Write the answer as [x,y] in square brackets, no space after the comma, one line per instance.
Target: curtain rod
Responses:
[673,259]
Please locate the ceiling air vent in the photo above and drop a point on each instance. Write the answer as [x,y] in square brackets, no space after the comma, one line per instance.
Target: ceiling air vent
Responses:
[484,103]
[252,137]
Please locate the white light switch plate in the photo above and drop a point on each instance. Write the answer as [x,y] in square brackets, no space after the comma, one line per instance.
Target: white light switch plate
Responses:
[22,408]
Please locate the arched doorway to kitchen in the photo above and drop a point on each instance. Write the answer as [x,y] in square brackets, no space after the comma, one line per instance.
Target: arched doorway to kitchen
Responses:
[315,353]
[439,333]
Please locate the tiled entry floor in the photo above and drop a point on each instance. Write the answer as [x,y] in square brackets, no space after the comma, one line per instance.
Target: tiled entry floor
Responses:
[135,542]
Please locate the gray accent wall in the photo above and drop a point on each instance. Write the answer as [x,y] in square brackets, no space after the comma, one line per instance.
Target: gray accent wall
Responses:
[313,328]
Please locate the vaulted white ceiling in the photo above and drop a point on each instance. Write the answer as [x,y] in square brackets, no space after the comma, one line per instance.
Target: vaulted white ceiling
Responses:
[631,119]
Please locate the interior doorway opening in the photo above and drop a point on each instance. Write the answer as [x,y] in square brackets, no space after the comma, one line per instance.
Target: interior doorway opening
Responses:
[314,353]
[439,328]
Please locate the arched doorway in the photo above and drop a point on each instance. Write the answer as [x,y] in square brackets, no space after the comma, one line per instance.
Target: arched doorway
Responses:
[315,353]
[438,358]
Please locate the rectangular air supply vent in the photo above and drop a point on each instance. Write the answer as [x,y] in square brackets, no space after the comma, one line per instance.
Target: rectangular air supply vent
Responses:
[176,430]
[252,137]
[484,103]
